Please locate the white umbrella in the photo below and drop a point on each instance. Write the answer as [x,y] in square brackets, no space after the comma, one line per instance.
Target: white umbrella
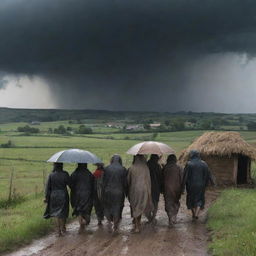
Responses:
[74,156]
[150,147]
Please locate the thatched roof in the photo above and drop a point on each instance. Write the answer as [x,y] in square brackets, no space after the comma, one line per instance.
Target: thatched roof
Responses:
[220,144]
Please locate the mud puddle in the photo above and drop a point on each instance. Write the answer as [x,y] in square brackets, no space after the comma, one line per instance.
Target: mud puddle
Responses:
[186,238]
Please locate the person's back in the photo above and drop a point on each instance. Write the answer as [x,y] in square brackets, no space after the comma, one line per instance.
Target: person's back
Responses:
[97,198]
[114,176]
[197,173]
[172,175]
[114,188]
[196,178]
[139,195]
[82,181]
[139,177]
[156,179]
[59,180]
[82,187]
[56,196]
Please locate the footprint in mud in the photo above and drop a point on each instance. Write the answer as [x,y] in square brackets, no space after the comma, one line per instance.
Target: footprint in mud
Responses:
[106,244]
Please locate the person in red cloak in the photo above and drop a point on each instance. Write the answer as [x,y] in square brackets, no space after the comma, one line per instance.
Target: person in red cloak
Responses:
[97,201]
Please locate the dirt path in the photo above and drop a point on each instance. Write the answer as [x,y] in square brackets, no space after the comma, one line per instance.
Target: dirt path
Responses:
[185,238]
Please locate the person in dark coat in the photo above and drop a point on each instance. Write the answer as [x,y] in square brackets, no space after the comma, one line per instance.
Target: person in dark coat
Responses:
[56,197]
[156,181]
[114,191]
[172,176]
[97,199]
[196,178]
[82,188]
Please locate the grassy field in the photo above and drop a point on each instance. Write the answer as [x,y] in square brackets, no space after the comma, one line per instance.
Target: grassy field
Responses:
[27,159]
[232,219]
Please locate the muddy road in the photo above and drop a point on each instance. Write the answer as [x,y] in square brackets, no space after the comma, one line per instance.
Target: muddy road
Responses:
[185,238]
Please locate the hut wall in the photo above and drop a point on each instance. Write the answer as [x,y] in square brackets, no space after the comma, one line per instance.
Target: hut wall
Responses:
[222,168]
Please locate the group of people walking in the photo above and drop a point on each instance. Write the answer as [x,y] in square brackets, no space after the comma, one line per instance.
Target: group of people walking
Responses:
[142,183]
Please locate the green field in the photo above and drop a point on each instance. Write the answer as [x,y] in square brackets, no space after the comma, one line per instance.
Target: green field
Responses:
[232,218]
[27,160]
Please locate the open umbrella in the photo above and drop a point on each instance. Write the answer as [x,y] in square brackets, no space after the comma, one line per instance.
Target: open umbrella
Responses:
[74,156]
[150,147]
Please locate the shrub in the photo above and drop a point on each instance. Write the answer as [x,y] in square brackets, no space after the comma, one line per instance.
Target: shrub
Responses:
[27,129]
[9,144]
[84,130]
[60,130]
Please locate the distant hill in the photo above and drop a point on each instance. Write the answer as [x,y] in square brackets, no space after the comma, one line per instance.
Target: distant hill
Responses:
[47,115]
[8,115]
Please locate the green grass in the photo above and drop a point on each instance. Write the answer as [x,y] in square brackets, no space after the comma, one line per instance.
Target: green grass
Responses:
[232,220]
[21,223]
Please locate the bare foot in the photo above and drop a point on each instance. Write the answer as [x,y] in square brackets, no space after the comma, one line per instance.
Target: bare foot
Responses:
[136,230]
[170,224]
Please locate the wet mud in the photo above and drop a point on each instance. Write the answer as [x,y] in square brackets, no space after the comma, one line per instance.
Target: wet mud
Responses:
[186,238]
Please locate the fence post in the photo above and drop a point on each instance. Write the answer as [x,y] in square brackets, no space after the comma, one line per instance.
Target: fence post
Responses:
[11,185]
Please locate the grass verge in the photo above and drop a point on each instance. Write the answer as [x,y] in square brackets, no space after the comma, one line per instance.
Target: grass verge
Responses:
[232,221]
[21,223]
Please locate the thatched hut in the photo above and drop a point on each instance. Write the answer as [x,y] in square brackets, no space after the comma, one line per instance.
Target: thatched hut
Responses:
[227,154]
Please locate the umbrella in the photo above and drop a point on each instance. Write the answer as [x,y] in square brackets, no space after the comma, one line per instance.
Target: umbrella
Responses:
[74,156]
[150,147]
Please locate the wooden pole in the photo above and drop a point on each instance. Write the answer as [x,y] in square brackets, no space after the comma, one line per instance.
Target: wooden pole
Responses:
[11,185]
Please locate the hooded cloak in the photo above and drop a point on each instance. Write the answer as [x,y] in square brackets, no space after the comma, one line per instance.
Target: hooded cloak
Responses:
[114,188]
[56,193]
[196,178]
[156,178]
[173,175]
[97,199]
[82,187]
[139,184]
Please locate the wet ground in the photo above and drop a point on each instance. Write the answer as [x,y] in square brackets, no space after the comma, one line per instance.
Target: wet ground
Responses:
[185,238]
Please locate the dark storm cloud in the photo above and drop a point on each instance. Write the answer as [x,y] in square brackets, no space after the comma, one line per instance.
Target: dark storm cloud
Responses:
[100,49]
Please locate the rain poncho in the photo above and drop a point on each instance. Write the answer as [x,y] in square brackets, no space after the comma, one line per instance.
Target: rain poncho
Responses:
[172,174]
[139,184]
[82,186]
[196,178]
[156,178]
[114,189]
[97,199]
[56,194]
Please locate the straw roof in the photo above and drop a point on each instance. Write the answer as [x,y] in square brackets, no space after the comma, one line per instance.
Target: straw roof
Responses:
[220,144]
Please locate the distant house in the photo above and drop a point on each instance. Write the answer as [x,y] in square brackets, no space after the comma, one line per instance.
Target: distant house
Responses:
[227,155]
[35,123]
[135,127]
[115,125]
[155,125]
[189,124]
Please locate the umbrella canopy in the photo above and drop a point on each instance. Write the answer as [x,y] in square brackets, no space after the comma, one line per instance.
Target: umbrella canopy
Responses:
[150,147]
[74,156]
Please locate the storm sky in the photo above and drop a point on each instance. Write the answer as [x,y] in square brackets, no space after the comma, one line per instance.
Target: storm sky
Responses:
[161,55]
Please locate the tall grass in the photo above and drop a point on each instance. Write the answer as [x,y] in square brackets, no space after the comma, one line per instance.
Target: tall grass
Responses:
[233,222]
[20,223]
